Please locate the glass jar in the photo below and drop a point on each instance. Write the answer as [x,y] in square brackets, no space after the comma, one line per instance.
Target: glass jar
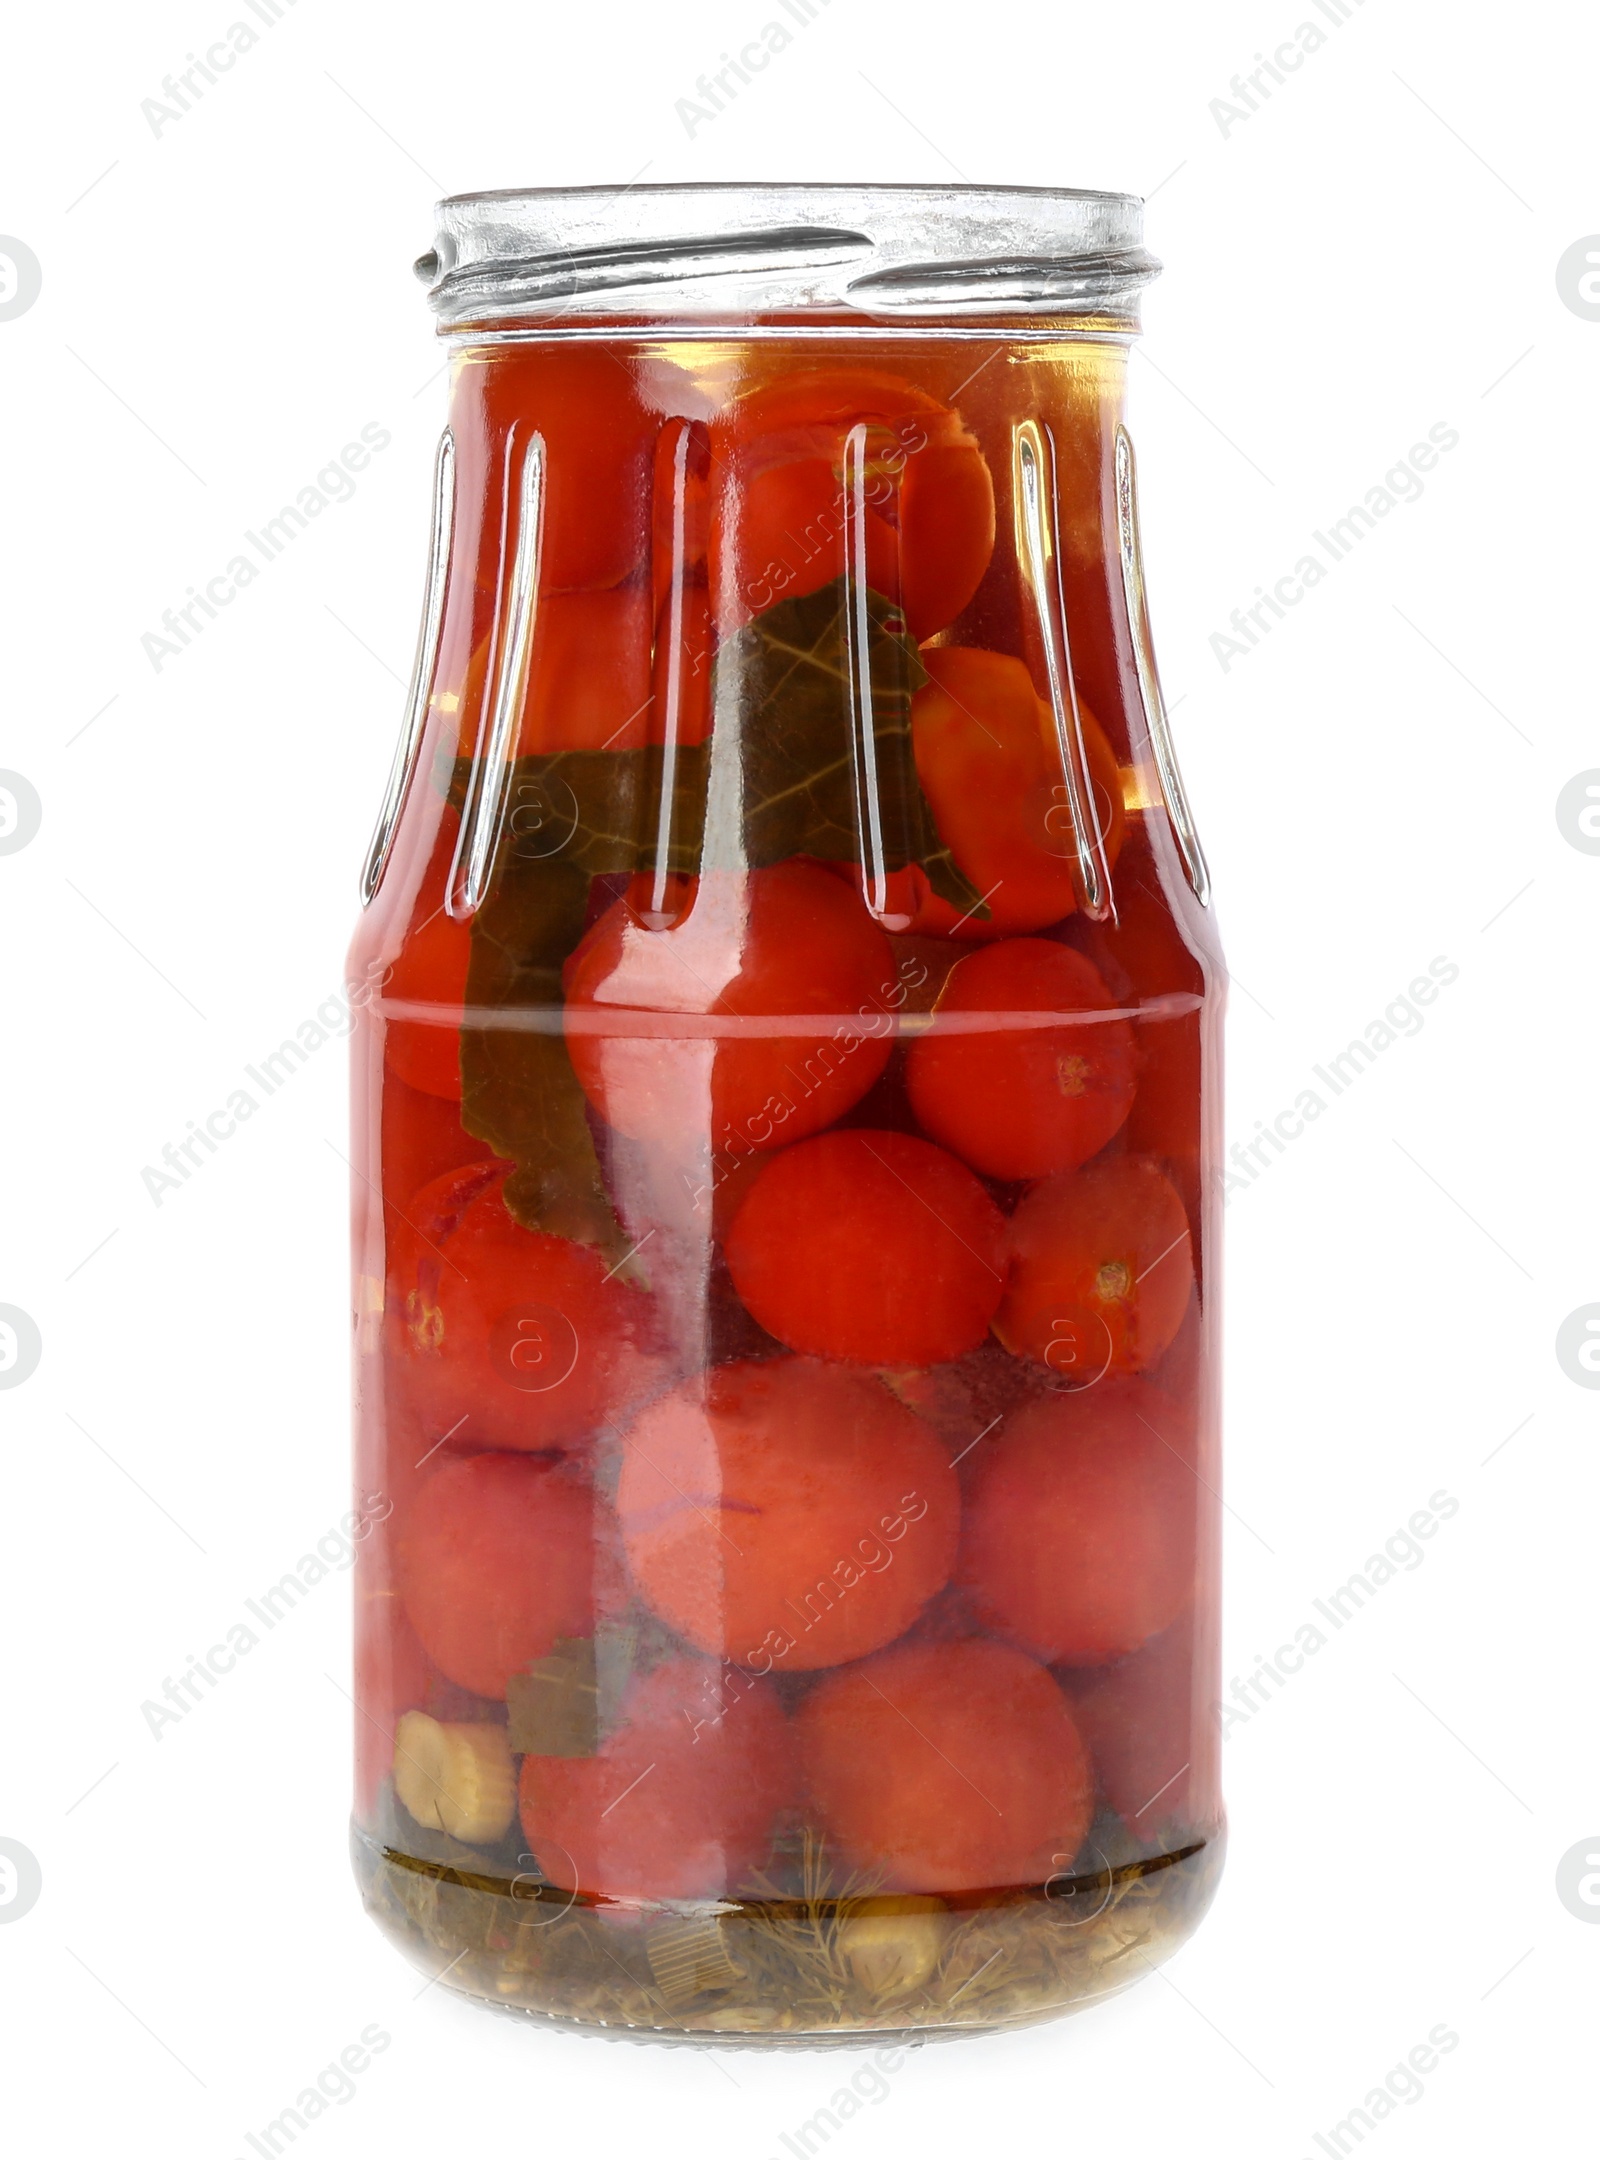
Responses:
[787,1114]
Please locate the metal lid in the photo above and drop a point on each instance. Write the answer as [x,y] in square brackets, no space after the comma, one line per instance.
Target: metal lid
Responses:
[729,250]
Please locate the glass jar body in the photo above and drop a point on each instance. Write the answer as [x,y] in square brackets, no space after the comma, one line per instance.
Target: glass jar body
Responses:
[787,1106]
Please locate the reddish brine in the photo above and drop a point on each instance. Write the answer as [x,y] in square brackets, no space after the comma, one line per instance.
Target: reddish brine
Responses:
[787,1103]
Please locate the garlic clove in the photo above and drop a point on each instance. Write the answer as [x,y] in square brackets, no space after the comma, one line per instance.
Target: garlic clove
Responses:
[455,1778]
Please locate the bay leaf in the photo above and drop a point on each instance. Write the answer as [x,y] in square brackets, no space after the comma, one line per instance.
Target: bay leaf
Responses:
[570,1700]
[821,776]
[554,1707]
[518,1089]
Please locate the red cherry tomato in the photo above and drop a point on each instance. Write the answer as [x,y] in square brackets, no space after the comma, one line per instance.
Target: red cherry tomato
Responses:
[758,947]
[872,1246]
[1152,1731]
[588,683]
[946,532]
[907,895]
[433,1213]
[1022,1100]
[786,1515]
[679,1800]
[1102,1269]
[1078,1538]
[497,1561]
[987,759]
[421,1136]
[512,1339]
[599,439]
[948,1767]
[588,672]
[778,527]
[783,535]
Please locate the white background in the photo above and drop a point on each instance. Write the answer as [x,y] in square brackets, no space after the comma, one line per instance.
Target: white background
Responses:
[1370,252]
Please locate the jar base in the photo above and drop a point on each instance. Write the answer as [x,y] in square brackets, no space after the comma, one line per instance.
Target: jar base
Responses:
[808,1972]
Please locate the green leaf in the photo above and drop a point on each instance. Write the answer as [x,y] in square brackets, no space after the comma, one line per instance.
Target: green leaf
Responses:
[569,1701]
[554,1707]
[598,811]
[518,1089]
[813,781]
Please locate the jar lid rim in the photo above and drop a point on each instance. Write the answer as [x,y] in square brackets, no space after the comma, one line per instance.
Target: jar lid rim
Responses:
[726,248]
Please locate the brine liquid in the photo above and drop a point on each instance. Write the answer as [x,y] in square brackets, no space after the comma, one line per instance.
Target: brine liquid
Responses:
[783,1613]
